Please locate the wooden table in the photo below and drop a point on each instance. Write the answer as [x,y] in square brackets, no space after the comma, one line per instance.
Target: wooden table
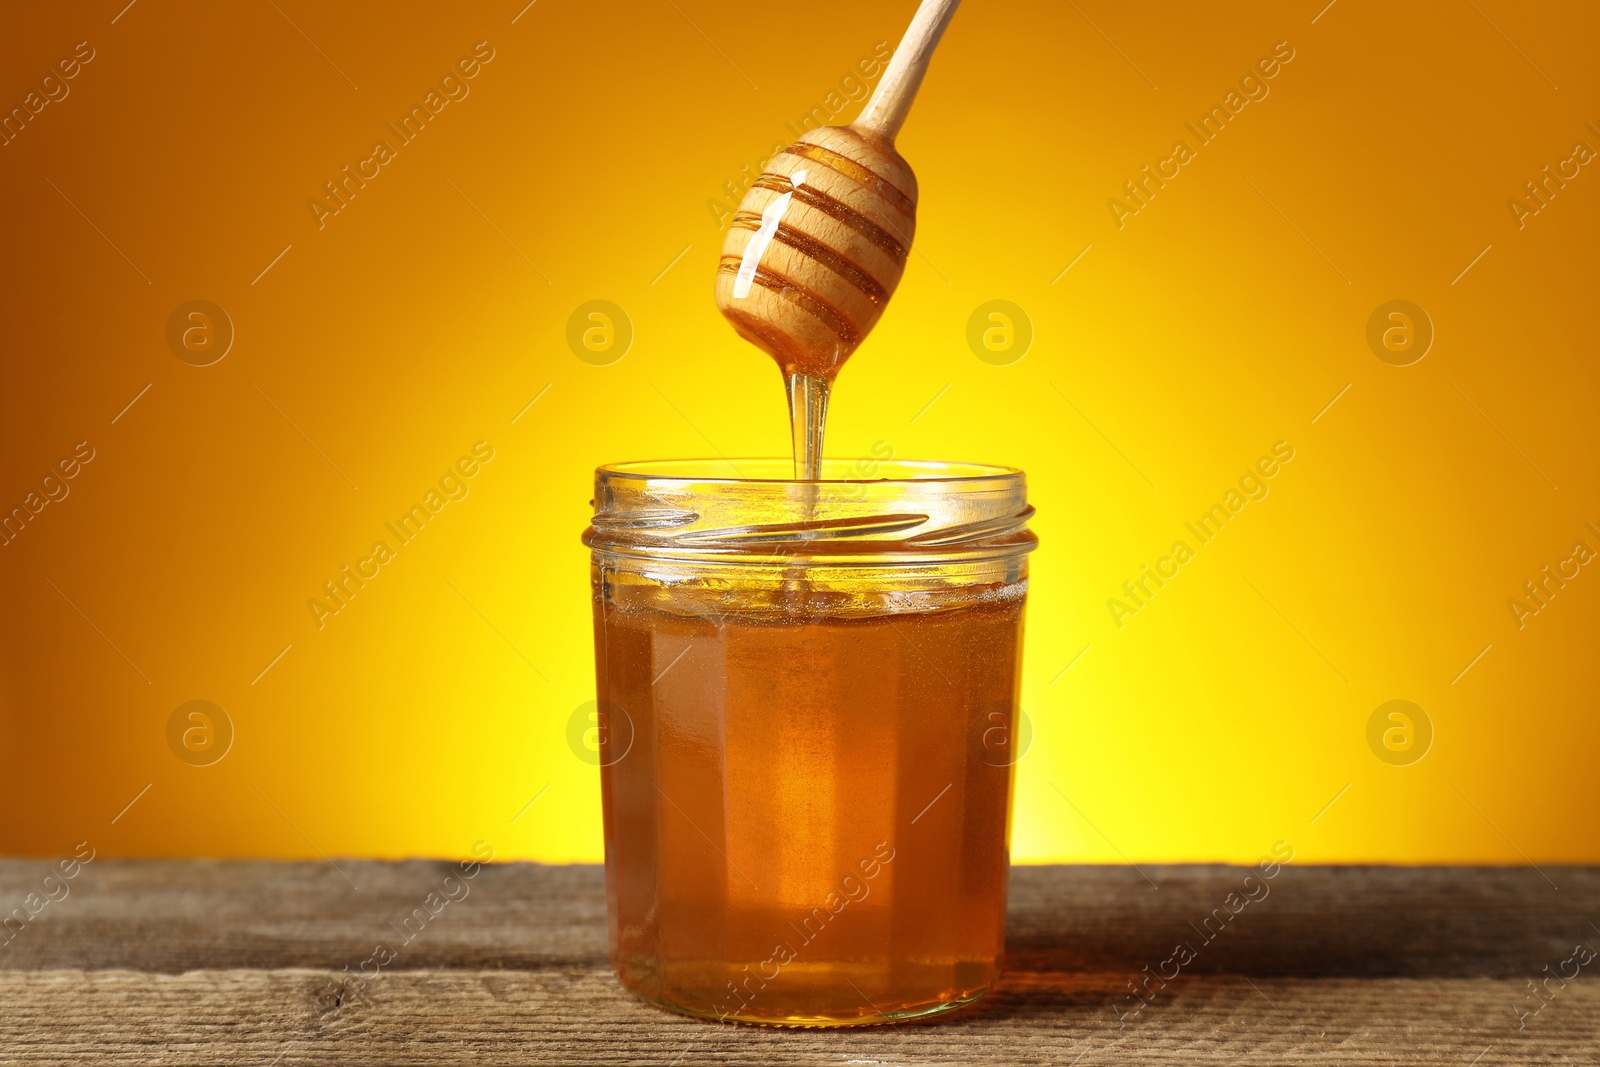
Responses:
[243,963]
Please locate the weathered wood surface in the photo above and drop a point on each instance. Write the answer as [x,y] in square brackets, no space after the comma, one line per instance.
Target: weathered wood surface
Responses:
[242,963]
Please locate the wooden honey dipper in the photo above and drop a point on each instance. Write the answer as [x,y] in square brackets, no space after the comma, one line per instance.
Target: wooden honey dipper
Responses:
[820,241]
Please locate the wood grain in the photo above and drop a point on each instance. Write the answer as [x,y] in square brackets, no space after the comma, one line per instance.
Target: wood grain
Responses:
[224,963]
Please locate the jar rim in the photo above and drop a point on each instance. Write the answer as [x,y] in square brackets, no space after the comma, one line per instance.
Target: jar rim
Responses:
[755,510]
[774,470]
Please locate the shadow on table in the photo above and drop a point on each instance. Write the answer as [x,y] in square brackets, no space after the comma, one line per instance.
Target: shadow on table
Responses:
[1078,936]
[1307,922]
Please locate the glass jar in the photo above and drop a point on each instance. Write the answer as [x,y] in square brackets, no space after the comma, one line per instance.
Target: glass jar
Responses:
[808,695]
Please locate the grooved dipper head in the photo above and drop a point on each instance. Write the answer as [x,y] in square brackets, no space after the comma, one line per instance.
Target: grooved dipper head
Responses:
[817,248]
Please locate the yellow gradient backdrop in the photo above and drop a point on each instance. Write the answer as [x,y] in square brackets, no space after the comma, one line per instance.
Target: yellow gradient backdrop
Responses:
[374,347]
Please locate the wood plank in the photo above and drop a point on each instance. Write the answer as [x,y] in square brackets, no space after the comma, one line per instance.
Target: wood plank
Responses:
[209,962]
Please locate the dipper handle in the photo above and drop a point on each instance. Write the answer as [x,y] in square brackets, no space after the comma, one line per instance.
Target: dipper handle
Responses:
[886,112]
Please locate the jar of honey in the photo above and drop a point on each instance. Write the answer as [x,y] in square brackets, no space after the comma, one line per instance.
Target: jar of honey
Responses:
[807,694]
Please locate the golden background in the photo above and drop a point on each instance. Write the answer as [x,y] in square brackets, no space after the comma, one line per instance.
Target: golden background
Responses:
[586,161]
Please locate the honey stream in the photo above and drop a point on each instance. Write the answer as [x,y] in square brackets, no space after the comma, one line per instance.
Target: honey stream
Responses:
[808,417]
